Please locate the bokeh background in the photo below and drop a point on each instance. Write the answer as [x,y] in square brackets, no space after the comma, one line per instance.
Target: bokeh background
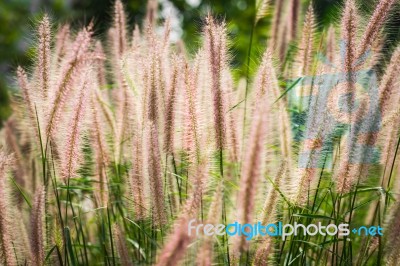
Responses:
[18,19]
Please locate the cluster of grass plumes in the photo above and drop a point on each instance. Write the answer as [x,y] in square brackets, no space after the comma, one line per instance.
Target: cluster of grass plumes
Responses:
[115,145]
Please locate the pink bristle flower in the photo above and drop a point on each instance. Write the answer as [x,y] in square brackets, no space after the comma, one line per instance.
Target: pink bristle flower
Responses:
[44,56]
[38,227]
[73,64]
[62,42]
[179,239]
[7,255]
[251,170]
[375,24]
[72,147]
[122,248]
[217,56]
[305,56]
[169,123]
[136,180]
[155,176]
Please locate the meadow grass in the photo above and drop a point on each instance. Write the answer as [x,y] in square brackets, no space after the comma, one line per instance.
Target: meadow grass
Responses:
[115,145]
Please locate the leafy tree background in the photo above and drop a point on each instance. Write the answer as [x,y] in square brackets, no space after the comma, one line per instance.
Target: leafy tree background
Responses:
[18,19]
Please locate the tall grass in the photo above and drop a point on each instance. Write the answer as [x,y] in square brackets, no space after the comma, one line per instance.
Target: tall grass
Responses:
[115,145]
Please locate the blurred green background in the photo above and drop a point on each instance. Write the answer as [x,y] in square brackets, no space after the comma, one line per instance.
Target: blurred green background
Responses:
[18,19]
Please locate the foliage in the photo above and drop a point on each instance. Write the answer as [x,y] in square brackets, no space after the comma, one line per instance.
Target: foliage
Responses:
[119,139]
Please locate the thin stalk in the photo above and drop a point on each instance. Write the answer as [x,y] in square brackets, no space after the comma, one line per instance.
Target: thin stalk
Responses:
[41,148]
[177,179]
[165,184]
[380,247]
[83,239]
[66,221]
[285,240]
[390,177]
[76,227]
[247,83]
[111,236]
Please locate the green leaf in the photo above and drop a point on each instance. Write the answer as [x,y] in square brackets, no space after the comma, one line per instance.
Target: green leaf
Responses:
[69,245]
[280,192]
[236,105]
[365,189]
[290,87]
[22,193]
[49,253]
[75,187]
[143,231]
[136,245]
